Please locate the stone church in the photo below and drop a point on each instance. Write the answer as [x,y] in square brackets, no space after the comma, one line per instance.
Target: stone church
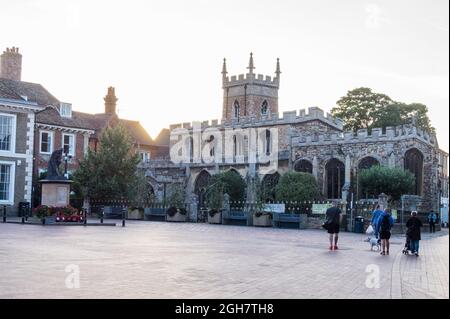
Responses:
[307,141]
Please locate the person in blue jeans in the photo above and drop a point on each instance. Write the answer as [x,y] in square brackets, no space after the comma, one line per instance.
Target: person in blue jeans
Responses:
[375,215]
[413,225]
[432,219]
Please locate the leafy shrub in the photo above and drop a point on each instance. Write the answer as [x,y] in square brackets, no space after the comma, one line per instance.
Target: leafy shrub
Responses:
[391,181]
[297,186]
[41,211]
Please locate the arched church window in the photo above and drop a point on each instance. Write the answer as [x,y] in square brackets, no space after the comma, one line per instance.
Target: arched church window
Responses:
[201,184]
[268,185]
[236,109]
[267,142]
[304,166]
[335,178]
[264,107]
[211,145]
[191,149]
[414,164]
[367,162]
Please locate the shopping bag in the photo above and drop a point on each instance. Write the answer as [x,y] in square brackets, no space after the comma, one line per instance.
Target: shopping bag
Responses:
[369,230]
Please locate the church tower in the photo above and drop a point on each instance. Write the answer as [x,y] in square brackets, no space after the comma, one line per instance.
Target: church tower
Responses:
[250,94]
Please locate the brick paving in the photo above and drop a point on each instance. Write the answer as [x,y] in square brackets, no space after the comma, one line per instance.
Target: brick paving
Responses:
[183,260]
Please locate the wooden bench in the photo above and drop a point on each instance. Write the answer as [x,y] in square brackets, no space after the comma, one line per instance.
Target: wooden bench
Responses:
[155,214]
[235,217]
[286,220]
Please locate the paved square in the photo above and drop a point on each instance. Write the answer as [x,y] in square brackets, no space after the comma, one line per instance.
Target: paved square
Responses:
[184,260]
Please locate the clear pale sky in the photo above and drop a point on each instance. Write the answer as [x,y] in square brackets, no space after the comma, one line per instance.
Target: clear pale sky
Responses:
[164,57]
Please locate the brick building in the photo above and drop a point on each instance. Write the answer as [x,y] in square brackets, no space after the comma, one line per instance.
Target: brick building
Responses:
[34,123]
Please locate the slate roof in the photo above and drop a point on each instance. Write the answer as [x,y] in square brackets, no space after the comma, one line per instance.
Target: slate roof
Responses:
[96,122]
[163,138]
[51,116]
[34,92]
[137,131]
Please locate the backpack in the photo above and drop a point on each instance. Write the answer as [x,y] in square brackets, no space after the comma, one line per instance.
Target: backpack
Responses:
[385,224]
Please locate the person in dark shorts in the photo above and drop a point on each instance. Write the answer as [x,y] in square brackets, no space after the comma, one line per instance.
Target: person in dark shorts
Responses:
[384,225]
[334,216]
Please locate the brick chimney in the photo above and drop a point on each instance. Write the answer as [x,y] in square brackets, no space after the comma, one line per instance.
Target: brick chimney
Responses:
[11,64]
[110,101]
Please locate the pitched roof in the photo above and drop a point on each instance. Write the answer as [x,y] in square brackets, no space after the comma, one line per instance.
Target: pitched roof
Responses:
[33,92]
[95,122]
[137,131]
[51,116]
[163,138]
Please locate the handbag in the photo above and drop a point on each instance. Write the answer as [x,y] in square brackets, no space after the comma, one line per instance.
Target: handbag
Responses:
[326,225]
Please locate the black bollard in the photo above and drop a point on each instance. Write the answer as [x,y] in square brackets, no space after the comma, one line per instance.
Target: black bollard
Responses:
[85,216]
[4,213]
[123,217]
[102,213]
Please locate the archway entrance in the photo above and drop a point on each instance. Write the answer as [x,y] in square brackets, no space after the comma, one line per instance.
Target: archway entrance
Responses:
[200,188]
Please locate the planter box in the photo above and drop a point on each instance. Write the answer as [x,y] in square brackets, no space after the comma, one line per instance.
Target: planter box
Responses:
[135,214]
[177,218]
[262,221]
[34,220]
[216,219]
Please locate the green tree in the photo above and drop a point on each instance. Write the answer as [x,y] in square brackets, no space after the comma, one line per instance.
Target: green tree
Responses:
[176,196]
[111,172]
[297,186]
[228,182]
[391,181]
[362,108]
[358,108]
[399,113]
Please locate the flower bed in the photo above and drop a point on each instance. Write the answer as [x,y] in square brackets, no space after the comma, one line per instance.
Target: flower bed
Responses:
[58,214]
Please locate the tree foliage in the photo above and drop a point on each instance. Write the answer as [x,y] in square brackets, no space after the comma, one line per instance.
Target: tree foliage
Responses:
[297,186]
[111,172]
[359,107]
[229,182]
[362,108]
[176,195]
[391,181]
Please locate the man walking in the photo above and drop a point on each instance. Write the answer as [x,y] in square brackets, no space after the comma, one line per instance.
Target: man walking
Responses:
[334,217]
[432,218]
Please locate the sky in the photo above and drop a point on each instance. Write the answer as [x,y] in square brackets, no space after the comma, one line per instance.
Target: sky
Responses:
[165,57]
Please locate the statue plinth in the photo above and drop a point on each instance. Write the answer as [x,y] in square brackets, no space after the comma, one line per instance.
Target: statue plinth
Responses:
[55,192]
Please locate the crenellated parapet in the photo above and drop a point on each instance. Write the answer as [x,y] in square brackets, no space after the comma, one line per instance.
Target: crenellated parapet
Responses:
[251,78]
[390,133]
[271,119]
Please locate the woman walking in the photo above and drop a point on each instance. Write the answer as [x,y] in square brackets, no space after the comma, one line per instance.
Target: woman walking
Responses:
[413,225]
